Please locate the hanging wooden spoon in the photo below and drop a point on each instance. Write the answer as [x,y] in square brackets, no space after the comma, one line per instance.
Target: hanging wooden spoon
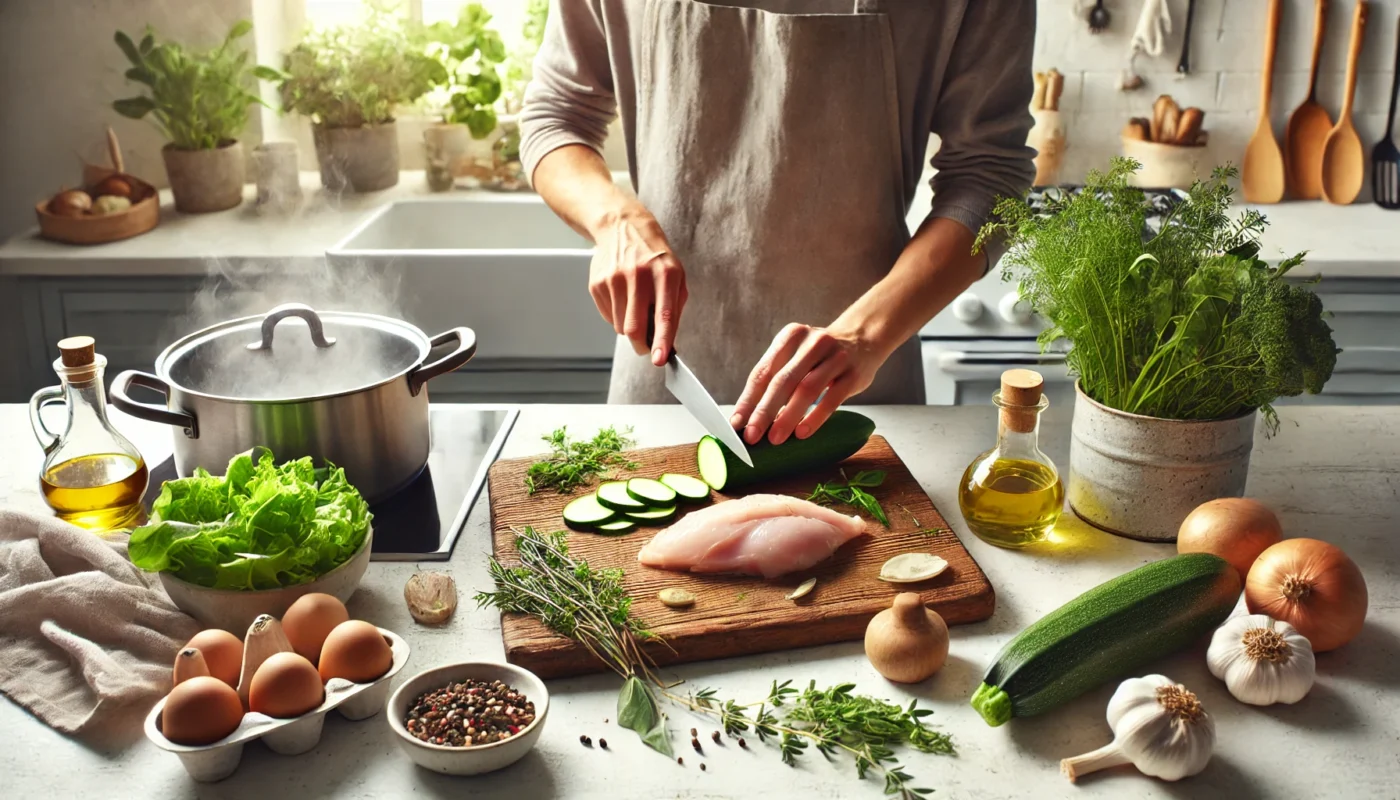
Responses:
[1343,158]
[1263,175]
[1307,130]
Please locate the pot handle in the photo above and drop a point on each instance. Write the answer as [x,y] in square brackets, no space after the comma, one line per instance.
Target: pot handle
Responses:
[49,395]
[466,348]
[149,411]
[276,315]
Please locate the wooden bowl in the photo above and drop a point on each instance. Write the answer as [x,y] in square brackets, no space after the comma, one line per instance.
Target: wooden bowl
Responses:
[99,229]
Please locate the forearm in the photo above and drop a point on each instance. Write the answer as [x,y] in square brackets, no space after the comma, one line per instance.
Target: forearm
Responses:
[575,182]
[935,267]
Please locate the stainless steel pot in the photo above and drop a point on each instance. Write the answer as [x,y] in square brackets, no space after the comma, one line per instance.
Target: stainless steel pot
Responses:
[346,388]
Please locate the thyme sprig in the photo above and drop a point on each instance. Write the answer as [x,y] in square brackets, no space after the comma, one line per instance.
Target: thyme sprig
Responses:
[850,493]
[572,463]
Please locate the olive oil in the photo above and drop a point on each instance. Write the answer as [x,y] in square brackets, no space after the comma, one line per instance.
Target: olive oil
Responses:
[101,491]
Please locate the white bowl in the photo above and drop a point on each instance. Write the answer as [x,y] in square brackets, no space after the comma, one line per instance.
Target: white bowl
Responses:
[468,760]
[235,609]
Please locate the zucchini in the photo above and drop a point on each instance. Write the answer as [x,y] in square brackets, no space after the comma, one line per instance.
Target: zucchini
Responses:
[687,488]
[586,512]
[839,439]
[613,494]
[652,492]
[616,527]
[652,516]
[1109,631]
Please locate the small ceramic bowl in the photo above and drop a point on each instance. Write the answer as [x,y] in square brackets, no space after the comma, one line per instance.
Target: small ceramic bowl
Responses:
[234,610]
[468,760]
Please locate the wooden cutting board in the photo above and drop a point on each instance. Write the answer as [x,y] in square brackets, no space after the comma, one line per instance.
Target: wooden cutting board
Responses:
[737,615]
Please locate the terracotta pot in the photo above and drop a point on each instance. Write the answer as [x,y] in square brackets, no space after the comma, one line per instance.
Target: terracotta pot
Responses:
[364,159]
[1166,166]
[205,180]
[1139,476]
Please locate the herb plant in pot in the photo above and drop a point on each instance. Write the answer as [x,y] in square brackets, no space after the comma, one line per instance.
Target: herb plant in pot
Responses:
[350,80]
[1180,338]
[199,101]
[469,52]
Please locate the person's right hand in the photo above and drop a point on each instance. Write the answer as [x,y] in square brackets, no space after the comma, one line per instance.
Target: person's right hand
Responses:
[633,276]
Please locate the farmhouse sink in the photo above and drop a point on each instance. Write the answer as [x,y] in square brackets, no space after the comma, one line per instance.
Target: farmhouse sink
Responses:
[502,265]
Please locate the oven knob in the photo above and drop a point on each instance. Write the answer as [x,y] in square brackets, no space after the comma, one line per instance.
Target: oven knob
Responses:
[1013,309]
[967,307]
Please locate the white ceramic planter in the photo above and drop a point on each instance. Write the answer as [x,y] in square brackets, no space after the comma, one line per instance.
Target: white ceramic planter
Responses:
[365,159]
[205,180]
[1139,476]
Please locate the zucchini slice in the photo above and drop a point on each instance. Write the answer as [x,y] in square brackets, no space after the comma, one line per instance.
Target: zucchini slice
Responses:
[651,516]
[616,527]
[652,492]
[714,470]
[586,512]
[613,494]
[687,488]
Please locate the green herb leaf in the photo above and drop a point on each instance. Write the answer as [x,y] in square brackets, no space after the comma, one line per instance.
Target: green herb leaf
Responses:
[852,495]
[572,463]
[637,710]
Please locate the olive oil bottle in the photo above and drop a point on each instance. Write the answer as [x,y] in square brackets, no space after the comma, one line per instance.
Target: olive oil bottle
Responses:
[1011,495]
[92,475]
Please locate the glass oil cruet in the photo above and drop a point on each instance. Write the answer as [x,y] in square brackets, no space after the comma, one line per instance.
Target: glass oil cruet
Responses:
[93,476]
[1011,495]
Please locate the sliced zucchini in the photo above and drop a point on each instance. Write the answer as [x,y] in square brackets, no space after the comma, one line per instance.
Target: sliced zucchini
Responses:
[654,493]
[616,527]
[686,487]
[586,511]
[651,516]
[613,494]
[714,470]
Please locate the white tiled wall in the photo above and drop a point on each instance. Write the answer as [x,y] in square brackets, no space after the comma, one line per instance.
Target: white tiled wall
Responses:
[1227,49]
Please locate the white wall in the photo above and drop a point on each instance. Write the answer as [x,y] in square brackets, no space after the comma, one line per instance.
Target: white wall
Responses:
[62,72]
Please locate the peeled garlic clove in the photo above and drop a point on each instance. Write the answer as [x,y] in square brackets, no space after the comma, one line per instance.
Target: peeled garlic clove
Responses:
[676,598]
[912,568]
[803,590]
[431,597]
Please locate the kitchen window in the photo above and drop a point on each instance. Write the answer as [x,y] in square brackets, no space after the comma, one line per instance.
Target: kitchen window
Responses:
[508,16]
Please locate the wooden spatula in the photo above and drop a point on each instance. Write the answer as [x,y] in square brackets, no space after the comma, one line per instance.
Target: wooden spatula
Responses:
[1307,130]
[1263,175]
[1385,159]
[1343,159]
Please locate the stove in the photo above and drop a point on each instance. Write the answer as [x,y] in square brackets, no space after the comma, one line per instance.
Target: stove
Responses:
[422,521]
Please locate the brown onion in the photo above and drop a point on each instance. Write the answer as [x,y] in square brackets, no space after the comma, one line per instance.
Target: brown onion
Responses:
[1312,586]
[72,203]
[1235,528]
[116,186]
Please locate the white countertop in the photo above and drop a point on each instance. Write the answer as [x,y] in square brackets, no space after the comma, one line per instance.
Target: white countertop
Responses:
[1332,473]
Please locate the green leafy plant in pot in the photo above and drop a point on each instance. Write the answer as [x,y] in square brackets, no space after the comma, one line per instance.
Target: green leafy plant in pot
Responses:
[466,97]
[1180,338]
[199,101]
[350,80]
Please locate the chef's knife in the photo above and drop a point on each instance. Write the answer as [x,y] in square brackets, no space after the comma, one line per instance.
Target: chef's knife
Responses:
[697,400]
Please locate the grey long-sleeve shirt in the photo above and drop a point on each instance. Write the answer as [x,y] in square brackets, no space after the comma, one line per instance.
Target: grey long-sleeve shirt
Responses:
[963,72]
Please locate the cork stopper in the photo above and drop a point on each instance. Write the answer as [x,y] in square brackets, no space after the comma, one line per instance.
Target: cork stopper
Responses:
[1020,399]
[77,351]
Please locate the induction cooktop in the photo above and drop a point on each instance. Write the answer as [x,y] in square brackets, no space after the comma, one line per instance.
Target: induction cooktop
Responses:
[422,521]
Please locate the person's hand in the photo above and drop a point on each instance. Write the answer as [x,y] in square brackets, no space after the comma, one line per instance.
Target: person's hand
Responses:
[803,363]
[635,276]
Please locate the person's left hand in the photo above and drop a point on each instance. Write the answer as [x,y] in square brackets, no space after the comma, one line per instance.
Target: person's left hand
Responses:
[803,363]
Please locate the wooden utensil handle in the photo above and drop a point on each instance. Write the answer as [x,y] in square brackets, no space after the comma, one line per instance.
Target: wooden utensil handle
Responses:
[114,151]
[1319,35]
[1358,35]
[1270,46]
[1038,99]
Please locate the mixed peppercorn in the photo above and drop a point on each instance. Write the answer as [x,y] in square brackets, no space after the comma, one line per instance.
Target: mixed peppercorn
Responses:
[469,714]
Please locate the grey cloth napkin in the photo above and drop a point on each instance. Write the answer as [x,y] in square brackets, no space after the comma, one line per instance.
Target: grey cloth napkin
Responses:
[84,635]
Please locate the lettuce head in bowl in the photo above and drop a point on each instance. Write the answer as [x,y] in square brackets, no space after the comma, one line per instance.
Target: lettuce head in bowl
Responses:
[261,525]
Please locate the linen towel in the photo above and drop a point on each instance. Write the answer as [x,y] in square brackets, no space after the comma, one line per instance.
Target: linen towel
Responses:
[84,635]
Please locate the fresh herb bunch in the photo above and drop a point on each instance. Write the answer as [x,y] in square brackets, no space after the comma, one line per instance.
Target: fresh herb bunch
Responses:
[572,463]
[850,493]
[469,52]
[197,99]
[1186,323]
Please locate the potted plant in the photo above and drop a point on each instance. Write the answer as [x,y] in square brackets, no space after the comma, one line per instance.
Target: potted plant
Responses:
[199,101]
[469,52]
[1179,338]
[349,80]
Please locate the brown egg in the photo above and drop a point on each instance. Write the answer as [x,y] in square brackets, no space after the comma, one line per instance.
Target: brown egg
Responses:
[200,711]
[355,651]
[285,686]
[310,620]
[222,652]
[114,185]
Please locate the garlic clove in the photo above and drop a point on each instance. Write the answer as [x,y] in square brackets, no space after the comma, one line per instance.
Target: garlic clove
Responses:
[431,597]
[912,568]
[804,589]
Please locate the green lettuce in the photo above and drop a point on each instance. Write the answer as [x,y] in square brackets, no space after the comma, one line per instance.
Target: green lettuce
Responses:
[261,525]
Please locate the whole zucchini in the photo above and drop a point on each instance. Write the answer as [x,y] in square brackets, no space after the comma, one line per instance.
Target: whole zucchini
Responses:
[1106,633]
[837,440]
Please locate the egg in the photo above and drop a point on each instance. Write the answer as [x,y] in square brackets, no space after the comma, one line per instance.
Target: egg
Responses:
[223,654]
[309,620]
[200,711]
[355,651]
[285,686]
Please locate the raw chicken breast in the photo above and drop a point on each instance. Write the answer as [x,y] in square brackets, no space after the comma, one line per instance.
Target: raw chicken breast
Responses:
[762,534]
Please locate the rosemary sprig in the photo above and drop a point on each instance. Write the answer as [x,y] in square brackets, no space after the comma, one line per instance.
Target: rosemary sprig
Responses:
[850,493]
[573,463]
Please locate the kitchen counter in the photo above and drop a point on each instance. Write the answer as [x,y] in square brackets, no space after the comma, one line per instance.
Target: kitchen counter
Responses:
[1332,473]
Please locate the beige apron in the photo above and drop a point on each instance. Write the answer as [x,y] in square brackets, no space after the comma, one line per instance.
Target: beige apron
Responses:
[768,148]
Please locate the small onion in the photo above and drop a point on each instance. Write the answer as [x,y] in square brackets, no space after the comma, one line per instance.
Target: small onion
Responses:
[116,186]
[1235,528]
[72,203]
[1312,586]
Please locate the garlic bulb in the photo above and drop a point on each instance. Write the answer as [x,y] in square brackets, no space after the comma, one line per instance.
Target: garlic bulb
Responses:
[1158,727]
[1262,660]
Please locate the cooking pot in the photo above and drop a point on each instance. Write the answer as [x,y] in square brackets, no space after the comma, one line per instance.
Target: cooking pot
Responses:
[341,387]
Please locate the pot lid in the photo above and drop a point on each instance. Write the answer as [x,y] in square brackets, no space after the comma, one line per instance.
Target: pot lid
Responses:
[293,353]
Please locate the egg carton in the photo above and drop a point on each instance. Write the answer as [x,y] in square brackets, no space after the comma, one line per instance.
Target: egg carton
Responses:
[289,737]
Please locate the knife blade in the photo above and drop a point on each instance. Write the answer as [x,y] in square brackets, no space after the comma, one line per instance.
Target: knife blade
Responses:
[697,400]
